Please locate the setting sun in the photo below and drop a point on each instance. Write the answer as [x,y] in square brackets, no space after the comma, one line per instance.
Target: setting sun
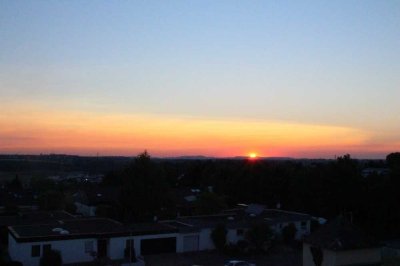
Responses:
[252,155]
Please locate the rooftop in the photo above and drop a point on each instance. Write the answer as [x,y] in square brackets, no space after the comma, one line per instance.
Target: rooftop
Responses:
[340,234]
[84,228]
[34,217]
[68,229]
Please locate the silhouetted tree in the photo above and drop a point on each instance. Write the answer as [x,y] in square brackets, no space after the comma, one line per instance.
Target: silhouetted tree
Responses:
[218,235]
[51,200]
[393,160]
[144,191]
[259,235]
[15,183]
[209,203]
[317,255]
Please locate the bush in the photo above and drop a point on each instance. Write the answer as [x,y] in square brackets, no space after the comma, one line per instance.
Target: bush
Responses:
[260,236]
[218,235]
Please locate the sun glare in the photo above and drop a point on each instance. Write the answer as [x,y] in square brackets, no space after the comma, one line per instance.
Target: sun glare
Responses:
[252,155]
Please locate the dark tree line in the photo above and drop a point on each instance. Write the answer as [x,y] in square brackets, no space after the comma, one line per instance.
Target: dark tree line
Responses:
[322,188]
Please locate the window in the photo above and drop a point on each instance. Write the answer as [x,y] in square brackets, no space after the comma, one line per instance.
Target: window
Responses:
[46,248]
[35,251]
[88,246]
[239,232]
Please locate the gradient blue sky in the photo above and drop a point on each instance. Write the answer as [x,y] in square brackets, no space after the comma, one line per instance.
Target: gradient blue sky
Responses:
[311,63]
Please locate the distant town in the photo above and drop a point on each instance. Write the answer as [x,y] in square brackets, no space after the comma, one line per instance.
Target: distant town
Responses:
[72,210]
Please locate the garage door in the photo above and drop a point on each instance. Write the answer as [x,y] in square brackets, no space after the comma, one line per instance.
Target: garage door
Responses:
[190,243]
[158,245]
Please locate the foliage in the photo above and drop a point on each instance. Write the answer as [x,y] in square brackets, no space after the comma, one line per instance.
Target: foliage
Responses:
[393,160]
[144,191]
[317,255]
[289,233]
[51,200]
[51,258]
[15,183]
[42,184]
[218,235]
[259,235]
[209,203]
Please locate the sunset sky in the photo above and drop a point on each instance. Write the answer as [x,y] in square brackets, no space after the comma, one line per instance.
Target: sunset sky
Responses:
[308,79]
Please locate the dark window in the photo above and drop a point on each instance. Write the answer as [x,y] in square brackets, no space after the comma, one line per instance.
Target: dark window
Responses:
[46,248]
[35,251]
[239,232]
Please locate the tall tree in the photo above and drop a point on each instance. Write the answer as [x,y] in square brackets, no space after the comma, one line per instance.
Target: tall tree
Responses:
[144,191]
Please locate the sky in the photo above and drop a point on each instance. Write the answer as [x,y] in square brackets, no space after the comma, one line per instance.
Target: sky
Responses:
[303,79]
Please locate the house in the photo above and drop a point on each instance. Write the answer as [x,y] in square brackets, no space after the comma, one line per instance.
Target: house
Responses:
[29,218]
[78,241]
[375,171]
[186,200]
[277,219]
[340,243]
[88,239]
[88,200]
[195,231]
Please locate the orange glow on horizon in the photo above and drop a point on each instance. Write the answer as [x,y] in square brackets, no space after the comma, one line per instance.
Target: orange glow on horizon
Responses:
[33,131]
[253,156]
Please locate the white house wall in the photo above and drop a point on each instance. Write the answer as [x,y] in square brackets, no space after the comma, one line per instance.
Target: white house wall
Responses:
[338,258]
[205,241]
[116,247]
[358,256]
[85,210]
[232,237]
[71,250]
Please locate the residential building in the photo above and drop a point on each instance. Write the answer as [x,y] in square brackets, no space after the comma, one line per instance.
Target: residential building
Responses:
[340,243]
[87,200]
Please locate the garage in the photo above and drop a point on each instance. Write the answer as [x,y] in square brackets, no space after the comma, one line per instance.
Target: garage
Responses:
[158,245]
[190,243]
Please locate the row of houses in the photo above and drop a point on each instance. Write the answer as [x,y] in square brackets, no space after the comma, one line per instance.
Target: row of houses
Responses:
[85,239]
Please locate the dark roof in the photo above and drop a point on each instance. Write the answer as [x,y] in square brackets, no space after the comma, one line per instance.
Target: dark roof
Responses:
[85,228]
[151,228]
[280,216]
[237,218]
[255,209]
[211,221]
[340,234]
[69,229]
[34,217]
